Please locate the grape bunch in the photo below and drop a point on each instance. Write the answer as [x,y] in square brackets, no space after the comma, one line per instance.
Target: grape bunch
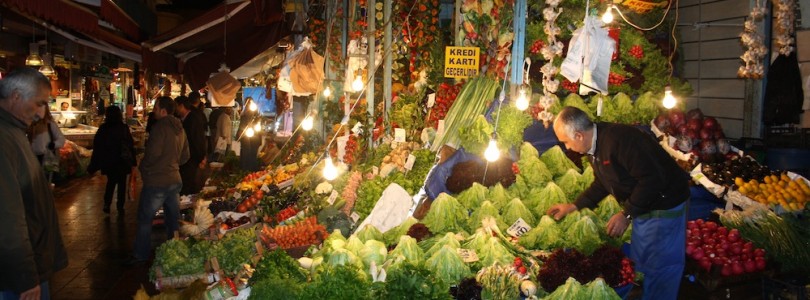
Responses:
[536,47]
[637,52]
[615,79]
[571,86]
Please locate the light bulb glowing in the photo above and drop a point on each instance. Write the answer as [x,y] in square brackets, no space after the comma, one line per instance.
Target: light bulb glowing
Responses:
[669,100]
[249,132]
[257,127]
[522,102]
[327,92]
[492,153]
[307,123]
[330,172]
[252,106]
[607,18]
[357,84]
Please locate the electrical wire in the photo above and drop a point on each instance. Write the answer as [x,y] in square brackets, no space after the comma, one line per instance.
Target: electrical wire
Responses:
[674,42]
[647,28]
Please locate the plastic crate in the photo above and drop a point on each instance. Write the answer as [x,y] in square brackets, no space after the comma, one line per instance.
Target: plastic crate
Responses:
[785,288]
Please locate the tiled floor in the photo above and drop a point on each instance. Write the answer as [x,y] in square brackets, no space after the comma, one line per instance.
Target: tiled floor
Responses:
[97,244]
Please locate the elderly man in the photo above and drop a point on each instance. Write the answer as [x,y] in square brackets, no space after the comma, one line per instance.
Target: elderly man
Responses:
[166,149]
[31,245]
[631,166]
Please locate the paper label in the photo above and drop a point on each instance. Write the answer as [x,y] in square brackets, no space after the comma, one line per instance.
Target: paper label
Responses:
[265,188]
[332,197]
[518,228]
[409,163]
[399,135]
[355,217]
[237,195]
[440,128]
[599,107]
[431,100]
[375,170]
[467,255]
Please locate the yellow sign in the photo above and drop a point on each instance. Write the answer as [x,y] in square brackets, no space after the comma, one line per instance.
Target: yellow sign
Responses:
[461,62]
[642,6]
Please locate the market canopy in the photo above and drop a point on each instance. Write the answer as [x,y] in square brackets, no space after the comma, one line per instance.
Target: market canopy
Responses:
[197,48]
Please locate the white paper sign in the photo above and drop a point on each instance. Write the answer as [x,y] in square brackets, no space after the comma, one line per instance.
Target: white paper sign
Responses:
[237,195]
[518,228]
[399,135]
[440,128]
[409,163]
[332,197]
[599,107]
[467,255]
[355,217]
[375,170]
[265,188]
[431,100]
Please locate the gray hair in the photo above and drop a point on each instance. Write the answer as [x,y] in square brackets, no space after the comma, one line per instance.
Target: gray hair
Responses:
[574,120]
[27,81]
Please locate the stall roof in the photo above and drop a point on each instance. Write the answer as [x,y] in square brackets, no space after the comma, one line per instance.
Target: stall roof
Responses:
[197,48]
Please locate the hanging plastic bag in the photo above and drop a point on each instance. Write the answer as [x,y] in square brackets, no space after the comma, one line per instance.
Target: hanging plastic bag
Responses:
[306,71]
[223,88]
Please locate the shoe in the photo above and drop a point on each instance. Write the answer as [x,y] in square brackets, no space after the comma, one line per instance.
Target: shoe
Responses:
[133,261]
[106,209]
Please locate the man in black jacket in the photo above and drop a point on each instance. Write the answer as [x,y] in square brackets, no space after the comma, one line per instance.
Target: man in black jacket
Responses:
[651,187]
[194,125]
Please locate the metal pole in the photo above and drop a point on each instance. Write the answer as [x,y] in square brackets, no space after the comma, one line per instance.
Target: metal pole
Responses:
[370,18]
[387,92]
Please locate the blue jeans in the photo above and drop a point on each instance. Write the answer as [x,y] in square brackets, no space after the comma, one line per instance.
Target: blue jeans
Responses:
[44,288]
[152,199]
[658,247]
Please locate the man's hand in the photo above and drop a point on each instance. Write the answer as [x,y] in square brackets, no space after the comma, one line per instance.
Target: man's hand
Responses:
[559,211]
[32,294]
[617,225]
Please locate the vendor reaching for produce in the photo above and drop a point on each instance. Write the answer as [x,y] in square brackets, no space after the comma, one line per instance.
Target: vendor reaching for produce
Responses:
[631,166]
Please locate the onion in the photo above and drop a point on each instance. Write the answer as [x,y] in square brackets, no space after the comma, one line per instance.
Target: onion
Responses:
[676,117]
[706,134]
[694,114]
[710,122]
[694,124]
[662,123]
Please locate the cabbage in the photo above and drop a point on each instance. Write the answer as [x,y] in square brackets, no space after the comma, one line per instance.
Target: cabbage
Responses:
[570,184]
[408,249]
[584,235]
[487,209]
[446,215]
[494,252]
[392,235]
[607,208]
[368,232]
[545,236]
[547,197]
[598,289]
[354,244]
[434,244]
[343,257]
[572,289]
[498,195]
[557,162]
[535,172]
[514,210]
[473,196]
[447,265]
[374,251]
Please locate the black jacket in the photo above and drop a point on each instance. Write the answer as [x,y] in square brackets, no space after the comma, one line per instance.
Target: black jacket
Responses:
[194,124]
[631,166]
[110,141]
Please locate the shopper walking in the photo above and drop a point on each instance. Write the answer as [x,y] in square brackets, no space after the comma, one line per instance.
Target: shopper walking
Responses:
[194,125]
[114,155]
[46,140]
[31,246]
[630,165]
[166,149]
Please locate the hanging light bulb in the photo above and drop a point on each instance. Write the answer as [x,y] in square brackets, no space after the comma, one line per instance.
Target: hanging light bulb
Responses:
[252,106]
[669,100]
[522,102]
[357,84]
[327,92]
[492,153]
[607,18]
[307,123]
[46,70]
[33,59]
[330,172]
[257,127]
[249,132]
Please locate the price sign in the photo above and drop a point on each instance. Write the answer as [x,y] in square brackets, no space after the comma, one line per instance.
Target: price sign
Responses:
[518,228]
[237,195]
[265,188]
[399,135]
[355,217]
[467,255]
[409,163]
[431,100]
[440,128]
[332,197]
[375,170]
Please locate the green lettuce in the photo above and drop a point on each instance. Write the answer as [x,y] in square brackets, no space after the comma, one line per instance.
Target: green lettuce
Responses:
[587,178]
[368,232]
[557,162]
[571,290]
[598,289]
[607,208]
[545,236]
[515,210]
[374,251]
[437,242]
[472,197]
[534,171]
[446,215]
[392,235]
[546,197]
[498,195]
[646,108]
[570,184]
[584,235]
[408,249]
[511,124]
[447,265]
[474,138]
[624,108]
[493,252]
[487,209]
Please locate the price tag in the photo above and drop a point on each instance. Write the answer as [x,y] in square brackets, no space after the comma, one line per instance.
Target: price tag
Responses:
[518,228]
[431,100]
[265,188]
[467,255]
[599,107]
[409,163]
[355,217]
[399,135]
[332,197]
[375,170]
[237,195]
[440,128]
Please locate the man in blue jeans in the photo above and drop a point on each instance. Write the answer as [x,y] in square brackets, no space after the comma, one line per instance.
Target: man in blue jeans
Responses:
[630,165]
[166,149]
